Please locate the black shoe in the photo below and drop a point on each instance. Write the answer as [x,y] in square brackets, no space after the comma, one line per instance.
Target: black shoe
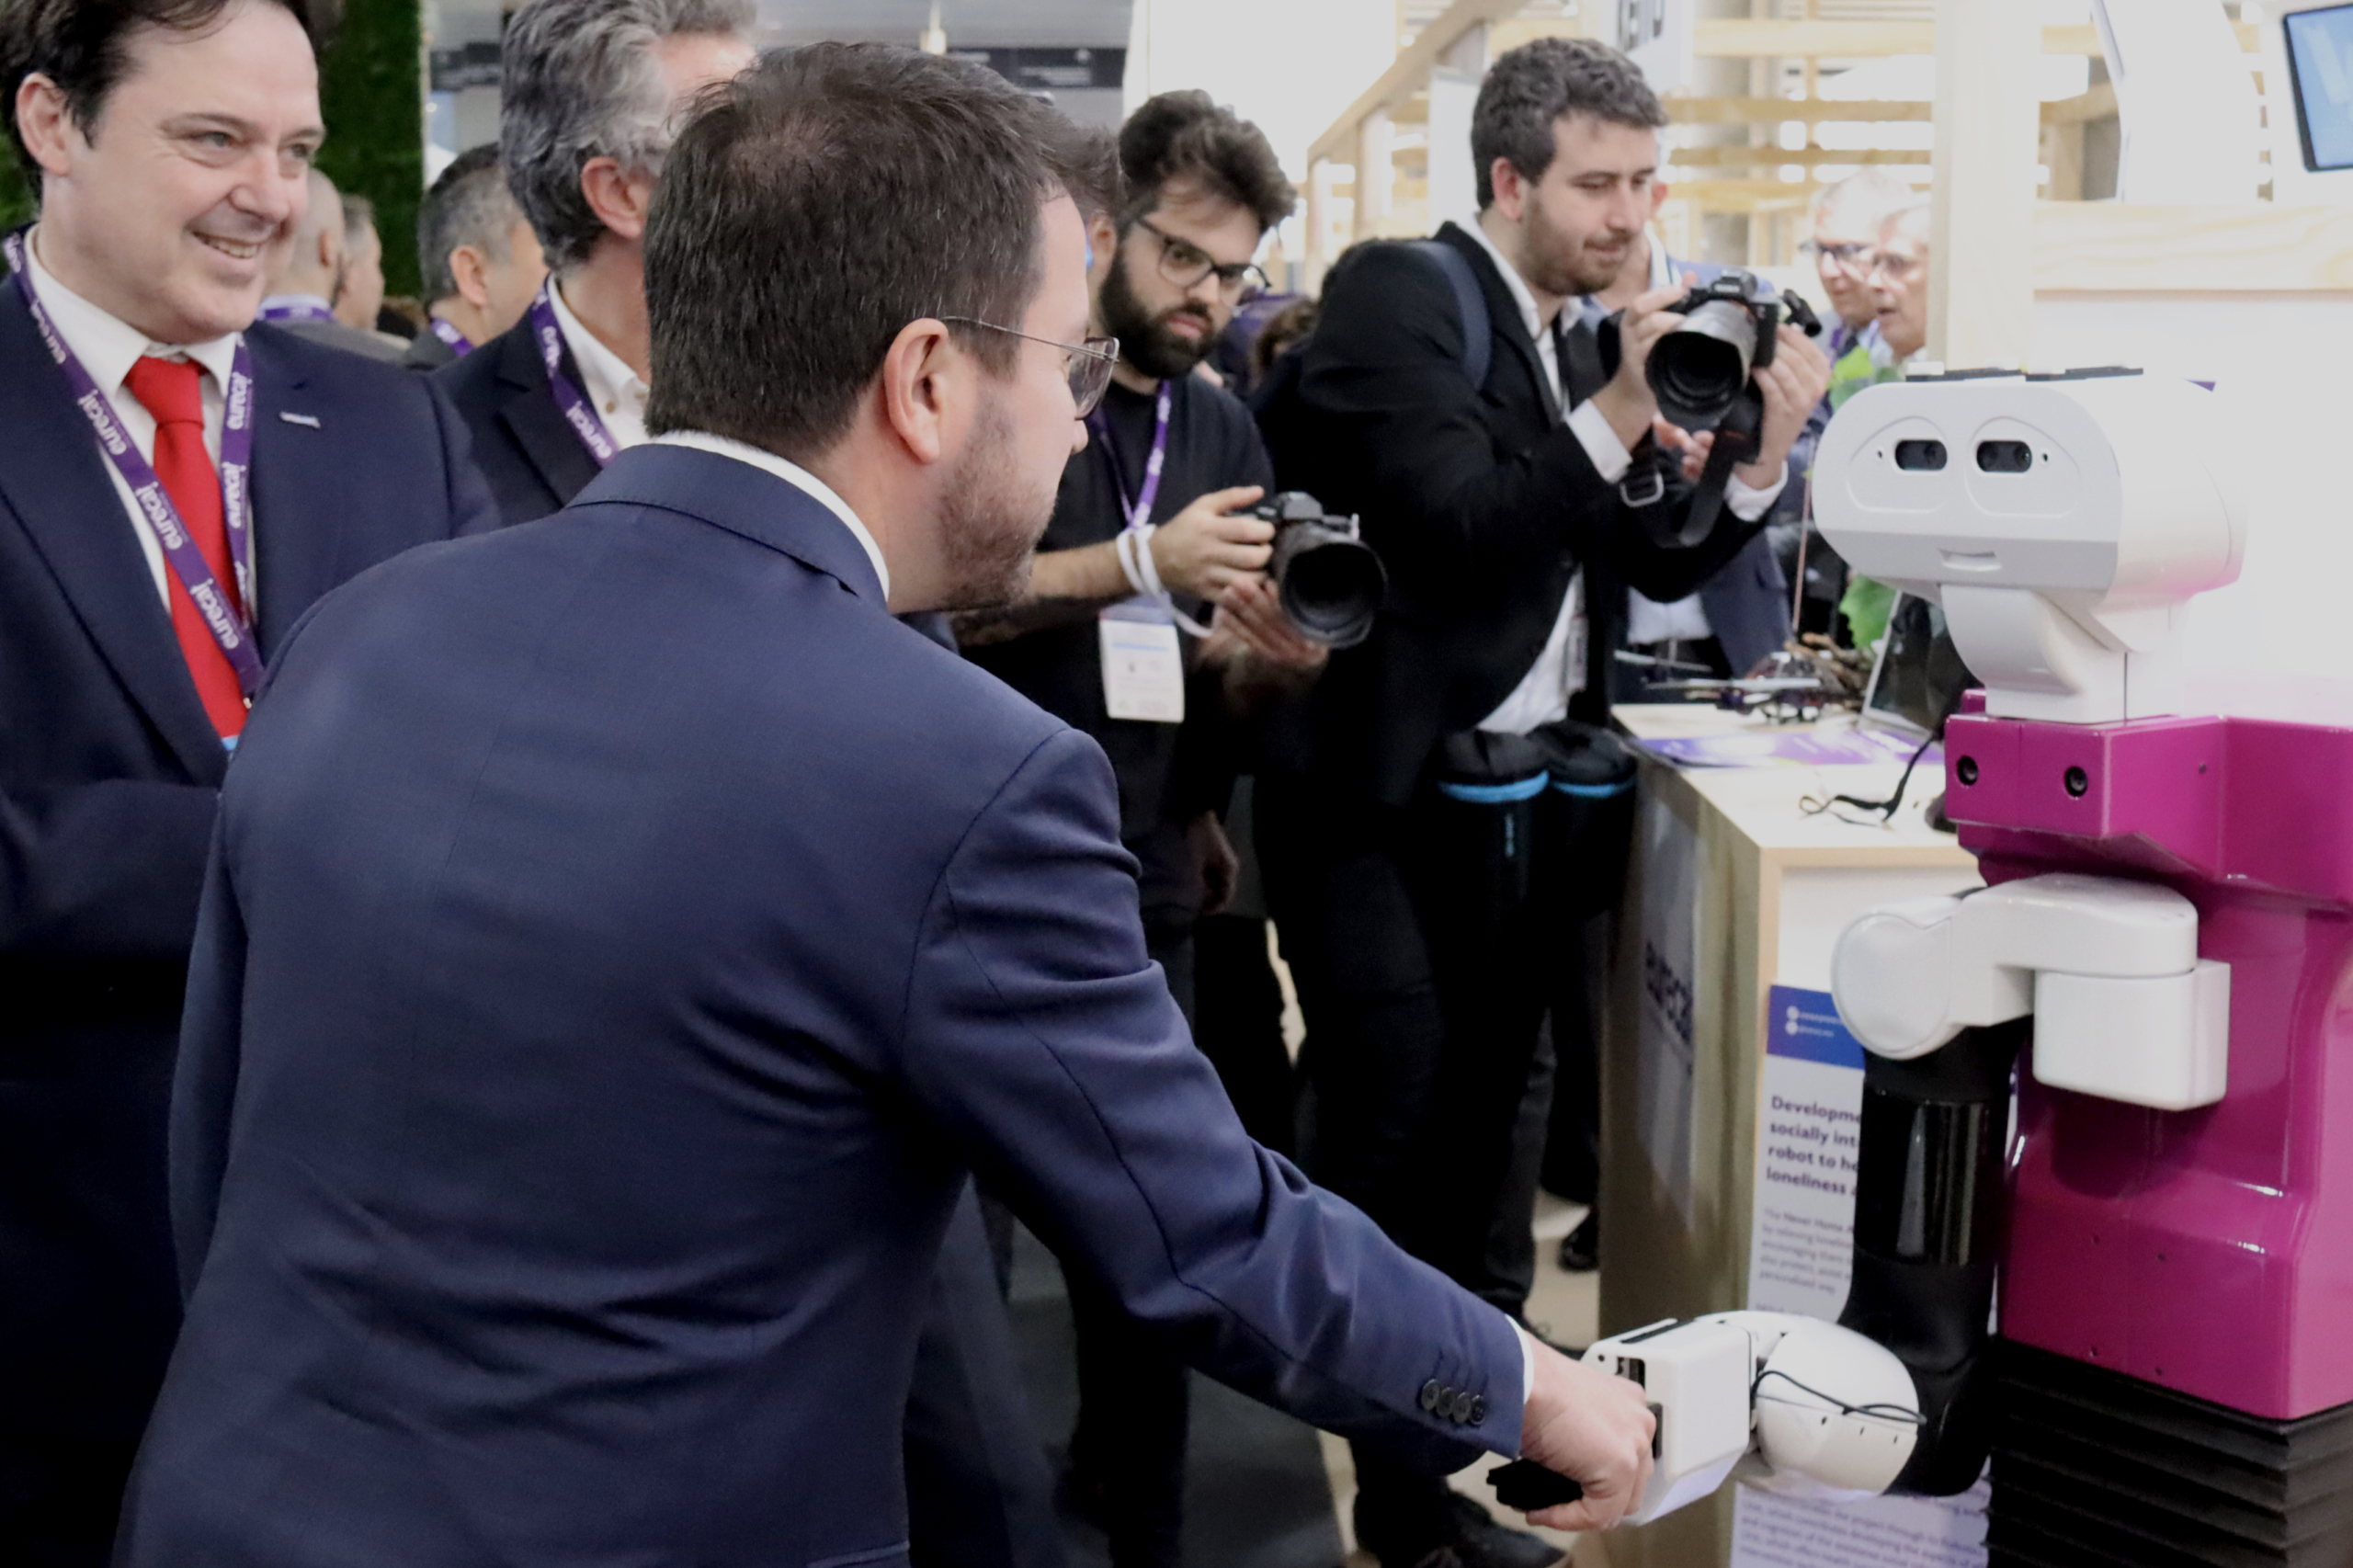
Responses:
[1479,1542]
[1581,1248]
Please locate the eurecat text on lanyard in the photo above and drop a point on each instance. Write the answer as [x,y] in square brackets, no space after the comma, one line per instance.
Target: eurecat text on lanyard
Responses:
[570,400]
[229,626]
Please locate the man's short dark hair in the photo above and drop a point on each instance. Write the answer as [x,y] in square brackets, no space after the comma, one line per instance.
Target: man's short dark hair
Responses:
[83,47]
[469,205]
[1529,90]
[1186,137]
[819,203]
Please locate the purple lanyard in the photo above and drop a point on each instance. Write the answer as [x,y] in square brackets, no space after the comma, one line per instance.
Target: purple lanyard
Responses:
[1139,511]
[230,627]
[459,344]
[297,309]
[569,398]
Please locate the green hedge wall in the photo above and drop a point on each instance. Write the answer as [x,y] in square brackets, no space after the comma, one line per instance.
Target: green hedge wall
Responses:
[372,85]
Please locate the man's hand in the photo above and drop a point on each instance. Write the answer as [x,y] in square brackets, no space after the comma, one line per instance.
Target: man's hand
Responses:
[1595,1429]
[1250,620]
[1793,384]
[1214,862]
[1626,401]
[1202,551]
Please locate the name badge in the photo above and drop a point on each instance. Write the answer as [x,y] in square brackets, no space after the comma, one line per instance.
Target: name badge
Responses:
[1143,665]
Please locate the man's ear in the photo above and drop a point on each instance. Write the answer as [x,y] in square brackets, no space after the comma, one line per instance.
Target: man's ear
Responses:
[618,197]
[1102,242]
[470,269]
[928,388]
[1510,189]
[328,251]
[45,122]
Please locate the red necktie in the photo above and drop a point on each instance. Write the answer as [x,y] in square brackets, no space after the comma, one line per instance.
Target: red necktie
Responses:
[172,391]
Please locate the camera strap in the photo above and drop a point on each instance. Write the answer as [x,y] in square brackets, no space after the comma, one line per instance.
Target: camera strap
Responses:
[1737,441]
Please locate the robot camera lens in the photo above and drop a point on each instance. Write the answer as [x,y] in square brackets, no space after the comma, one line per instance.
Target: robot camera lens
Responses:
[2005,457]
[1920,456]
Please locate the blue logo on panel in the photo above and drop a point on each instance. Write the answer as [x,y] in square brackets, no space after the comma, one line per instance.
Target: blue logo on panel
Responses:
[1805,1025]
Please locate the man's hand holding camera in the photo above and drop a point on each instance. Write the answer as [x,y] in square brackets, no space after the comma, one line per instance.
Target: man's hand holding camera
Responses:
[1212,544]
[1792,386]
[1626,401]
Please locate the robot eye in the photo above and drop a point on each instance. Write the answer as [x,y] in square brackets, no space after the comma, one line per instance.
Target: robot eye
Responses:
[1921,456]
[2005,457]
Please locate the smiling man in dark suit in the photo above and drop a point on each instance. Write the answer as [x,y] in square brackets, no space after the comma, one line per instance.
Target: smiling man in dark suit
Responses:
[625,934]
[178,486]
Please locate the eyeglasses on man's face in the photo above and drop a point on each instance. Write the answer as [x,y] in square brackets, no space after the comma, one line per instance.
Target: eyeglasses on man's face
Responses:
[1089,365]
[1895,266]
[1185,264]
[1852,257]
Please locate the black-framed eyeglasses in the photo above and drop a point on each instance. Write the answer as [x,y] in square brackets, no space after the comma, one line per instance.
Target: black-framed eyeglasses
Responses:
[1185,264]
[1089,365]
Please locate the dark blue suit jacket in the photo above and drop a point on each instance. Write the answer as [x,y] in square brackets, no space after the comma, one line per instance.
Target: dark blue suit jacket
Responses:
[530,457]
[622,937]
[108,778]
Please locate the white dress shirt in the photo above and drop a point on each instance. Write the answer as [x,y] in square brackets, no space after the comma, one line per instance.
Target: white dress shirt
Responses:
[793,473]
[615,392]
[1558,671]
[107,348]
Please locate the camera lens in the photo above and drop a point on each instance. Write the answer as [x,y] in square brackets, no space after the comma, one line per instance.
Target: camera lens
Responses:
[2005,457]
[1697,370]
[1331,585]
[1920,456]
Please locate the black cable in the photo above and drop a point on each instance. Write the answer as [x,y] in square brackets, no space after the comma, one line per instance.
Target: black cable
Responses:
[1894,803]
[1879,1411]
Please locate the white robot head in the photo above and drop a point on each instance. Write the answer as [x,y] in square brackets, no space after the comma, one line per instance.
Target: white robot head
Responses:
[2064,523]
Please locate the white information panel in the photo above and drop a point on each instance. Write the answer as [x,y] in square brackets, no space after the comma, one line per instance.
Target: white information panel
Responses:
[1670,936]
[1800,1257]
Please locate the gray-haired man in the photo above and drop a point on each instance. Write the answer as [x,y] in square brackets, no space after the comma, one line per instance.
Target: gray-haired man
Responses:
[592,92]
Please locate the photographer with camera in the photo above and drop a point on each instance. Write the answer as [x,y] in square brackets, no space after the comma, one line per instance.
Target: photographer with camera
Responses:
[1512,477]
[1152,536]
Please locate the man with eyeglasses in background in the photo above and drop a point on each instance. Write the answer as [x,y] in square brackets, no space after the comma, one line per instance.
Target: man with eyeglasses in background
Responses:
[1149,540]
[1847,215]
[1895,276]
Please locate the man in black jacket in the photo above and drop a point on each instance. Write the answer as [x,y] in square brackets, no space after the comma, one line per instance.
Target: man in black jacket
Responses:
[1501,522]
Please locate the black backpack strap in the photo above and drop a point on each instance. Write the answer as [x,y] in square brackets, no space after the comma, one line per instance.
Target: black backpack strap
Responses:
[1470,303]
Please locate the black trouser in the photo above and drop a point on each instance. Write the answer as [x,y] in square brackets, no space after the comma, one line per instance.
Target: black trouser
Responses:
[1238,1024]
[1134,1409]
[1424,982]
[979,1493]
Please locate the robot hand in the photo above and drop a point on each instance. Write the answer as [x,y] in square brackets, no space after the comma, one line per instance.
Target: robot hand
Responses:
[1811,1406]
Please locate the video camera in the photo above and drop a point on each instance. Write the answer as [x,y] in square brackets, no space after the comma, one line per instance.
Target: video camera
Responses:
[1699,371]
[1330,581]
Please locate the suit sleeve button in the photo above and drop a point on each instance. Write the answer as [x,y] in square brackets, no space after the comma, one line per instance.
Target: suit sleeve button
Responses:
[1431,1393]
[1478,1409]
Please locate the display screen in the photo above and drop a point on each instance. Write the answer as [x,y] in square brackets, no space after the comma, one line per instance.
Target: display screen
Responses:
[1920,675]
[2320,60]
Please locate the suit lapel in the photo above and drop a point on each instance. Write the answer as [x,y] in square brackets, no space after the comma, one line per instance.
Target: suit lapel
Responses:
[56,483]
[298,522]
[530,415]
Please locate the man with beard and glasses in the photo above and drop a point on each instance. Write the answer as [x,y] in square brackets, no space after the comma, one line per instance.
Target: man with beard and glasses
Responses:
[624,936]
[1442,831]
[1147,542]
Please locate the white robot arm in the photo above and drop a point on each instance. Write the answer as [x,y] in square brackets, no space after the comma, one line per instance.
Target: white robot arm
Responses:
[1791,1402]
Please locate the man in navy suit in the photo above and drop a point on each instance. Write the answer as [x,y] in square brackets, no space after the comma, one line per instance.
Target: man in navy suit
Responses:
[625,936]
[590,91]
[170,145]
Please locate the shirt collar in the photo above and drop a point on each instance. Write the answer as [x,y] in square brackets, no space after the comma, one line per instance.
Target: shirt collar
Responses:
[107,345]
[1663,274]
[1513,281]
[793,473]
[606,373]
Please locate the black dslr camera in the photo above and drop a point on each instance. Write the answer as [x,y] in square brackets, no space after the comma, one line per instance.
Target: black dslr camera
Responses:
[1330,581]
[1698,372]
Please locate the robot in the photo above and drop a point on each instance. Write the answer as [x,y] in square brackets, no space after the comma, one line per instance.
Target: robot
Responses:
[2160,969]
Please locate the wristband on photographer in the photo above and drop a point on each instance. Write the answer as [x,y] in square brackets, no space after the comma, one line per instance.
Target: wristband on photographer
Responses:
[1124,547]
